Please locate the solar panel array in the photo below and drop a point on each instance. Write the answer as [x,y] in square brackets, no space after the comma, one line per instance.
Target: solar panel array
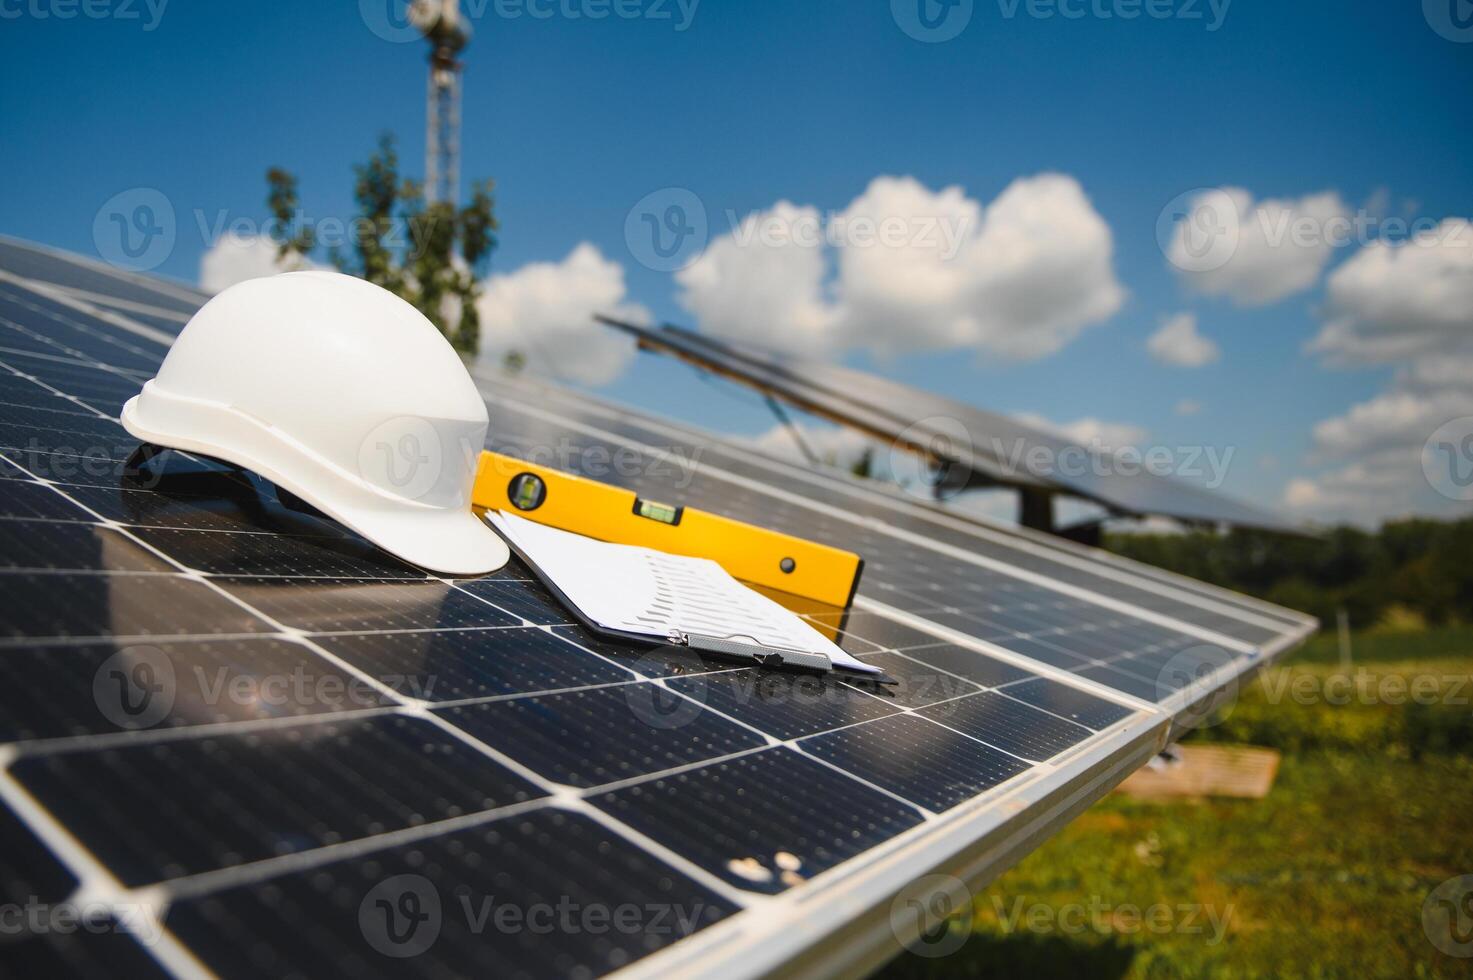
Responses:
[985,448]
[249,742]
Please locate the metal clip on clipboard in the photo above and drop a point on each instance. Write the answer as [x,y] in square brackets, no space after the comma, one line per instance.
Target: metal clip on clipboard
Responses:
[746,647]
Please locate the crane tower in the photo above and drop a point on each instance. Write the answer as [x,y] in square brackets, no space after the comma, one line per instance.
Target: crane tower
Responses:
[441,23]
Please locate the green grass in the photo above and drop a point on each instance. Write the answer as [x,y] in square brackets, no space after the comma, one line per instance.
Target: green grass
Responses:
[1388,646]
[1326,877]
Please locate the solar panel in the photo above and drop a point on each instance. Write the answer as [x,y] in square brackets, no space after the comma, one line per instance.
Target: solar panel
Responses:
[98,282]
[986,448]
[308,757]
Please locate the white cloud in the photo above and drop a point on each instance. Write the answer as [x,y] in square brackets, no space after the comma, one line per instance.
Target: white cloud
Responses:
[1380,487]
[1396,418]
[766,288]
[1392,302]
[544,311]
[1410,305]
[1089,432]
[1374,451]
[1188,406]
[1256,253]
[1178,343]
[1303,494]
[1443,370]
[236,258]
[913,269]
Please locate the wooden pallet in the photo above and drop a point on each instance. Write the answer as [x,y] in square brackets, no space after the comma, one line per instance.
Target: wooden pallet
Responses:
[1206,770]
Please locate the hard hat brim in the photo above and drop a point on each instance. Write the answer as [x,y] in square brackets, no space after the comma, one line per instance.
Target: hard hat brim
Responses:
[452,542]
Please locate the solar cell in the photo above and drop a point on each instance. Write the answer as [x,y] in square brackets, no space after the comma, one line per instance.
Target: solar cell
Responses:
[1009,725]
[564,737]
[101,952]
[341,605]
[734,819]
[81,679]
[337,720]
[65,334]
[368,777]
[1066,702]
[531,863]
[52,605]
[916,683]
[917,760]
[27,868]
[466,664]
[784,705]
[43,265]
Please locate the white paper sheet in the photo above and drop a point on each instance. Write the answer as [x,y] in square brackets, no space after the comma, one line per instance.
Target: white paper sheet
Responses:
[639,590]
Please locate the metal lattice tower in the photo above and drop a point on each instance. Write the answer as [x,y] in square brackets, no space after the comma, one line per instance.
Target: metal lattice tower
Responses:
[448,33]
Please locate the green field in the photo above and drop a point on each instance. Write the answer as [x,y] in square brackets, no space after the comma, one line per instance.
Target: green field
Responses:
[1326,877]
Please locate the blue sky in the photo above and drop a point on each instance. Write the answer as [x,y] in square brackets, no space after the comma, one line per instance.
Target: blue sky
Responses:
[578,119]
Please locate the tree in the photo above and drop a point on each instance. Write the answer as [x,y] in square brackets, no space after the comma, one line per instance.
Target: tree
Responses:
[1417,565]
[437,266]
[294,238]
[376,189]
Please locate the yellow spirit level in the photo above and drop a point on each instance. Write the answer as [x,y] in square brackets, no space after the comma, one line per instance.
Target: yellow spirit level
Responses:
[597,510]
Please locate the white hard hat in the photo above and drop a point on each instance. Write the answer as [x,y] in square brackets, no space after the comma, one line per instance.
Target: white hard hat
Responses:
[343,394]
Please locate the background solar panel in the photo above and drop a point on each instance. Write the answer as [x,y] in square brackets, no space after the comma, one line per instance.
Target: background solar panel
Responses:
[985,443]
[301,750]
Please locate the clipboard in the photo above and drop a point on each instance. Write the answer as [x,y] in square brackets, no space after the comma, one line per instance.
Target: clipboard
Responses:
[687,603]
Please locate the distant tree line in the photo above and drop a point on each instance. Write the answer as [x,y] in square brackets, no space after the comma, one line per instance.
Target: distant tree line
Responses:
[1421,566]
